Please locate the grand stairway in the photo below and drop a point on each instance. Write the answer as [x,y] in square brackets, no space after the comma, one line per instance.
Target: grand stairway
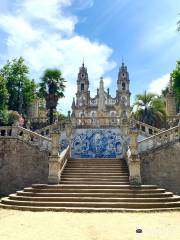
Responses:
[93,185]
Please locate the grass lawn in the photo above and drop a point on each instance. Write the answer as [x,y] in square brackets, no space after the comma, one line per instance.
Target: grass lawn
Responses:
[19,225]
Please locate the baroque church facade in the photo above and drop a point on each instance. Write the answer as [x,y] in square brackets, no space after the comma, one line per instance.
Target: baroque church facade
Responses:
[103,104]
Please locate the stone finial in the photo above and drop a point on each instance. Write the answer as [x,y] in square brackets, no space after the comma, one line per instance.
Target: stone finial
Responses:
[170,87]
[73,103]
[69,115]
[101,101]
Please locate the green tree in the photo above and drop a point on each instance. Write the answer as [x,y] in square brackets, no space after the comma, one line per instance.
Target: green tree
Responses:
[150,108]
[176,82]
[52,75]
[20,88]
[4,96]
[52,89]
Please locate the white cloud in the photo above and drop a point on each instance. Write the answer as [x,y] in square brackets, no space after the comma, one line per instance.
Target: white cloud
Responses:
[81,4]
[157,85]
[107,81]
[44,34]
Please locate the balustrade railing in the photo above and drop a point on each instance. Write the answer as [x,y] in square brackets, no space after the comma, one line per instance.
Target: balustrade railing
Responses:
[83,122]
[46,131]
[27,136]
[146,129]
[64,156]
[168,136]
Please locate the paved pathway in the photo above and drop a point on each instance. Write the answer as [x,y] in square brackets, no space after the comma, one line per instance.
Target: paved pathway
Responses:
[95,226]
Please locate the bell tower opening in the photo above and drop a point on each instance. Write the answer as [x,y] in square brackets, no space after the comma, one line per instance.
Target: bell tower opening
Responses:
[82,86]
[123,86]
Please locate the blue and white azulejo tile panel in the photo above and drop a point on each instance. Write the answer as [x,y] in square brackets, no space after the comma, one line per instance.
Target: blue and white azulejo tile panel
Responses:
[96,143]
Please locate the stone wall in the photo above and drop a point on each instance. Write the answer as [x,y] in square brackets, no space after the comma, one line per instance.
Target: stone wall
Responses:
[162,167]
[21,164]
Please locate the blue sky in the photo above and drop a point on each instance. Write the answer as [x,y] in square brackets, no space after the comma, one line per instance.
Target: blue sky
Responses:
[60,33]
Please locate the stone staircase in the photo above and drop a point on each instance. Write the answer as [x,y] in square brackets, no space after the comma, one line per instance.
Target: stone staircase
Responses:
[93,185]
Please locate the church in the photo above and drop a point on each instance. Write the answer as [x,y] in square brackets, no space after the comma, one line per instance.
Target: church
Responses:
[103,104]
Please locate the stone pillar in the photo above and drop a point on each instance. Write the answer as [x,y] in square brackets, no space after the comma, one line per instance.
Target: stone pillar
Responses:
[124,125]
[54,163]
[134,160]
[14,132]
[171,100]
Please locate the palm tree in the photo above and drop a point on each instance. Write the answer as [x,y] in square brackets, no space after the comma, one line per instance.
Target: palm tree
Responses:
[52,88]
[150,108]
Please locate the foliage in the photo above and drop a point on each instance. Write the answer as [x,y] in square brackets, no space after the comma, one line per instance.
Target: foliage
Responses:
[13,117]
[20,88]
[59,116]
[150,109]
[176,81]
[9,117]
[49,75]
[4,96]
[4,117]
[29,94]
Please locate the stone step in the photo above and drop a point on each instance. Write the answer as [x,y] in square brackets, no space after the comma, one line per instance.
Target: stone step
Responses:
[69,170]
[92,199]
[105,182]
[93,191]
[95,175]
[92,186]
[98,194]
[136,205]
[97,168]
[87,209]
[100,178]
[97,164]
[97,160]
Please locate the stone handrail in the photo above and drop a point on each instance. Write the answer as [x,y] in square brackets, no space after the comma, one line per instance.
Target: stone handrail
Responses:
[168,136]
[146,129]
[46,131]
[37,119]
[26,135]
[64,156]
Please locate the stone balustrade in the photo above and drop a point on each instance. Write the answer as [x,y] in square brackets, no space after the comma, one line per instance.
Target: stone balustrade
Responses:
[90,122]
[168,136]
[37,120]
[146,129]
[85,122]
[64,156]
[46,131]
[26,135]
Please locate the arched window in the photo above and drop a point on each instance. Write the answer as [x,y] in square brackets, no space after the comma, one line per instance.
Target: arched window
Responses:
[123,86]
[82,86]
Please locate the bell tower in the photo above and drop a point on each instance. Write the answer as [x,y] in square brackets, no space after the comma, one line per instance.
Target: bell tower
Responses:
[123,93]
[83,93]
